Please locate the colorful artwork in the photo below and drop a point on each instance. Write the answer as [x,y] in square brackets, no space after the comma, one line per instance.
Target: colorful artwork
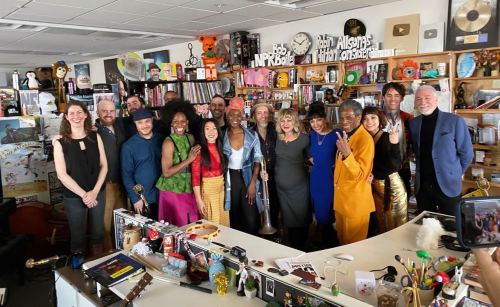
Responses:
[113,74]
[158,58]
[24,170]
[19,129]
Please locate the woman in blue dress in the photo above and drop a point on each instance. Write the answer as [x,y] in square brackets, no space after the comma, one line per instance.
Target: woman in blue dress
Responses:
[322,140]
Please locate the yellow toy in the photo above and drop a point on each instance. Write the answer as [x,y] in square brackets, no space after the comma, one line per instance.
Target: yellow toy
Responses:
[317,76]
[282,80]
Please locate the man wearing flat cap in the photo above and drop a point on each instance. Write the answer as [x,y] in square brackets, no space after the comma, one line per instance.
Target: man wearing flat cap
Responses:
[154,72]
[141,162]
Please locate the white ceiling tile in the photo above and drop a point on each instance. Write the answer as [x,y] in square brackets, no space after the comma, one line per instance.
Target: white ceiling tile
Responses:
[223,19]
[259,10]
[47,11]
[127,6]
[102,19]
[219,5]
[153,22]
[168,2]
[292,15]
[88,4]
[335,7]
[10,36]
[242,26]
[193,25]
[39,18]
[182,13]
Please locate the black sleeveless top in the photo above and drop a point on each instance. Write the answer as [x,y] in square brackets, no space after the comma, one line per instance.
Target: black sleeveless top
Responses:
[82,162]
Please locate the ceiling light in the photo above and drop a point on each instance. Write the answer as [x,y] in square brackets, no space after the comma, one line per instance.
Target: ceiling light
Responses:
[22,23]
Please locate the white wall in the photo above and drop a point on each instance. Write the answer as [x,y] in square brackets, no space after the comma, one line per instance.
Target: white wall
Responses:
[430,11]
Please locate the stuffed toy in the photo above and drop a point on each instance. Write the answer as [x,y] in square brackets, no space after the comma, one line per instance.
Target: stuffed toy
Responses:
[59,71]
[47,102]
[44,75]
[31,81]
[429,234]
[209,57]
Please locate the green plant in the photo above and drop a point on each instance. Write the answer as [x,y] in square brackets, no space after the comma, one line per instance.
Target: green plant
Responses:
[250,283]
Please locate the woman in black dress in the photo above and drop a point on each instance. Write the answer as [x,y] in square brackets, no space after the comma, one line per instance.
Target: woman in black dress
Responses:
[292,178]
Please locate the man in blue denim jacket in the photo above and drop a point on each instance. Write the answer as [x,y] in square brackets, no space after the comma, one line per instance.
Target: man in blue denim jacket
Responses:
[242,149]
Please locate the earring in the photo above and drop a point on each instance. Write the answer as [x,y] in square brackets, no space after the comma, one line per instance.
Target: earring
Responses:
[187,128]
[171,130]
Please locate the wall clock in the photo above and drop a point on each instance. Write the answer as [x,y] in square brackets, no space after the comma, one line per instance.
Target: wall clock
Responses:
[301,43]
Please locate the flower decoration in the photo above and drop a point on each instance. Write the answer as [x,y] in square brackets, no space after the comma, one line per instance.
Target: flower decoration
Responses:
[486,58]
[221,282]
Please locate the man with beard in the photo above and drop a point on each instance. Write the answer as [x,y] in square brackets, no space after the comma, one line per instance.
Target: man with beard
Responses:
[133,104]
[262,112]
[112,133]
[217,108]
[141,162]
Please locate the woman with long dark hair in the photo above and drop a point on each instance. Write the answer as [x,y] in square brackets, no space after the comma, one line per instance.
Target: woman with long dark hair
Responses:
[388,190]
[207,174]
[81,167]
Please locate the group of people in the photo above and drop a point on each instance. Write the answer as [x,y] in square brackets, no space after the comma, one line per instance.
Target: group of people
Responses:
[215,168]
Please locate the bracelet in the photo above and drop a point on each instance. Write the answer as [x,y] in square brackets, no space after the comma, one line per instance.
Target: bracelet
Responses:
[204,231]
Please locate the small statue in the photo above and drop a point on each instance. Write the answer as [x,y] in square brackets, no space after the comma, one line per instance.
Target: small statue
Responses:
[288,300]
[221,281]
[458,274]
[243,274]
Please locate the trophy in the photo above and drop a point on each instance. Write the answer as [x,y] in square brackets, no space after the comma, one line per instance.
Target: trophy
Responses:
[146,210]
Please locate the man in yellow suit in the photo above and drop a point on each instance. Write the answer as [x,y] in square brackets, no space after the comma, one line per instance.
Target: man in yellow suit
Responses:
[353,200]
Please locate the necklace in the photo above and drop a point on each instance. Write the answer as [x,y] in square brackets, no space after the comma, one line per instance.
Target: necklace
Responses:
[320,142]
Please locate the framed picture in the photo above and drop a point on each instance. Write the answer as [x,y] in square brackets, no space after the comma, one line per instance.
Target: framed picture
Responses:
[303,59]
[270,287]
[472,24]
[401,33]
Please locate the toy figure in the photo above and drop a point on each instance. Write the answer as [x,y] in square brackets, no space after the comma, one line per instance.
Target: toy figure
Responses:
[31,80]
[458,274]
[44,75]
[209,57]
[288,300]
[243,274]
[59,71]
[282,80]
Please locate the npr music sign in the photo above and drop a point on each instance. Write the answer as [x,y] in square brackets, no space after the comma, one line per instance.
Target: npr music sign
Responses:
[344,48]
[279,56]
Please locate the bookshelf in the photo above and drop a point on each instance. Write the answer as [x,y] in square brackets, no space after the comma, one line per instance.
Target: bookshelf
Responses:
[195,91]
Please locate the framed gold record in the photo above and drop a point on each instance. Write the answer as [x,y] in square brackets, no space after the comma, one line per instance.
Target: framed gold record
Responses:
[472,24]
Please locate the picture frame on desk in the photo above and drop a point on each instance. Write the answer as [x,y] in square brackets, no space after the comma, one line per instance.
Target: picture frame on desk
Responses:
[270,287]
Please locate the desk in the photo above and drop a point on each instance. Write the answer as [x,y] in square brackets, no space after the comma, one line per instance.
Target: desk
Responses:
[373,253]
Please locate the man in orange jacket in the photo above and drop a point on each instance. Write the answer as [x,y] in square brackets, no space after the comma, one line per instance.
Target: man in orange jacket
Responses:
[353,200]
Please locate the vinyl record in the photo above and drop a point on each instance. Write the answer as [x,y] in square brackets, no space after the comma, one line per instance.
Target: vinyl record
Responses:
[351,77]
[354,27]
[472,16]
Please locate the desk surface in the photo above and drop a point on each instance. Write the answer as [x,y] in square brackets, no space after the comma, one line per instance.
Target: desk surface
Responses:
[373,253]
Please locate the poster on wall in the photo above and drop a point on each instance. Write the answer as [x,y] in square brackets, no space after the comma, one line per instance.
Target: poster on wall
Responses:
[158,58]
[82,77]
[19,129]
[113,74]
[401,33]
[472,24]
[24,171]
[29,102]
[431,38]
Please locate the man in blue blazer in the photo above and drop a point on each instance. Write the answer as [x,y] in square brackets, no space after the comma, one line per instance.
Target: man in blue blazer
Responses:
[443,151]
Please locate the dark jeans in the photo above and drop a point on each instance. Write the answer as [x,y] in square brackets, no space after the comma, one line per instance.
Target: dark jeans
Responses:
[243,216]
[431,198]
[77,213]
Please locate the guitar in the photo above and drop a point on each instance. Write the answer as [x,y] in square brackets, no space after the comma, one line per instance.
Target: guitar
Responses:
[138,288]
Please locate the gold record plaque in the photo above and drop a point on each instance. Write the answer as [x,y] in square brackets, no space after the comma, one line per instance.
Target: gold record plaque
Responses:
[472,24]
[472,16]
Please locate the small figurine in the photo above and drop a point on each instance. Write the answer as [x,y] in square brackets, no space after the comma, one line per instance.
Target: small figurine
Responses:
[209,57]
[282,80]
[288,300]
[243,274]
[458,274]
[221,282]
